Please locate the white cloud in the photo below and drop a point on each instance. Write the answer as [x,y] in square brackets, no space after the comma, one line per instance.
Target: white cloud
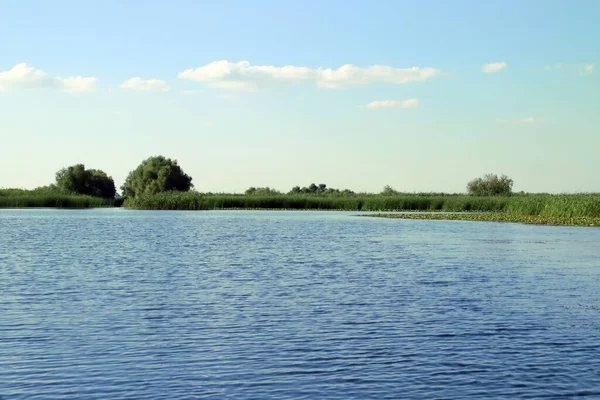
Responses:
[493,67]
[22,76]
[588,68]
[524,120]
[243,76]
[234,85]
[76,84]
[410,103]
[148,85]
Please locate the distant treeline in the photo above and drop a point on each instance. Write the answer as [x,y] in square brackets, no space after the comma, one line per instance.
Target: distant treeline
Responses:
[159,183]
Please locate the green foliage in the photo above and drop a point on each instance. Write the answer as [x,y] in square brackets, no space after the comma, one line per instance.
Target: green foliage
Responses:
[261,191]
[389,191]
[91,182]
[155,175]
[48,197]
[320,189]
[356,202]
[547,209]
[490,185]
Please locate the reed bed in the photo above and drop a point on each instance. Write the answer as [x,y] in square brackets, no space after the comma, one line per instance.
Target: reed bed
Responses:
[17,198]
[541,209]
[359,202]
[567,209]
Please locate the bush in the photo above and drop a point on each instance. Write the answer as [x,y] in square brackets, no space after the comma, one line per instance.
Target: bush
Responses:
[261,191]
[490,185]
[90,182]
[156,175]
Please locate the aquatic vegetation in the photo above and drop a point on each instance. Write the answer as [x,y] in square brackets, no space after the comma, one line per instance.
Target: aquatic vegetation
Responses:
[542,209]
[355,202]
[18,198]
[575,209]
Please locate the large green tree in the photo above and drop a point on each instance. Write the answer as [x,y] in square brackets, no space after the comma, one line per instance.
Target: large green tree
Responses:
[154,175]
[91,182]
[490,185]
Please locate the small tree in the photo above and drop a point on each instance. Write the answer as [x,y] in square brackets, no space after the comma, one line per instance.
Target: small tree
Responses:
[490,185]
[91,182]
[155,175]
[388,191]
[261,191]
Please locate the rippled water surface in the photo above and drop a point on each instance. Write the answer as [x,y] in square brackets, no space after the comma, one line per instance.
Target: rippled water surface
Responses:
[118,304]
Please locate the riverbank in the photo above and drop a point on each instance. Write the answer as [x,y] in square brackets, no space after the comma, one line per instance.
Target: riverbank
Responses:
[547,209]
[17,198]
[496,217]
[355,202]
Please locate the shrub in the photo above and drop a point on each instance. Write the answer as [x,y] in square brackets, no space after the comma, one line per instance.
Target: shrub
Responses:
[490,185]
[155,175]
[91,182]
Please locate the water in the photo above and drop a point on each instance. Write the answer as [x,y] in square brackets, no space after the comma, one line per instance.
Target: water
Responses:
[117,304]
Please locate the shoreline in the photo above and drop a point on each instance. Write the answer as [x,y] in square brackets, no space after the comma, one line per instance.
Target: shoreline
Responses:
[493,217]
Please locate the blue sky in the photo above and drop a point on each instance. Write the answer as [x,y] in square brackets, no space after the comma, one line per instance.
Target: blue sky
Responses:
[422,96]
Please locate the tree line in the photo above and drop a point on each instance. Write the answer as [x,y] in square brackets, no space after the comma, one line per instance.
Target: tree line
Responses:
[159,174]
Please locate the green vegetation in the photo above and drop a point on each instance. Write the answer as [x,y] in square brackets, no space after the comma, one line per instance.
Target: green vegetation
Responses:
[321,189]
[500,217]
[545,209]
[355,202]
[48,197]
[75,187]
[490,185]
[261,191]
[155,175]
[158,183]
[91,182]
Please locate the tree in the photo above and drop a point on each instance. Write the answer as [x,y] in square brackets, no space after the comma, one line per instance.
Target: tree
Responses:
[92,182]
[321,189]
[490,185]
[155,175]
[388,191]
[261,191]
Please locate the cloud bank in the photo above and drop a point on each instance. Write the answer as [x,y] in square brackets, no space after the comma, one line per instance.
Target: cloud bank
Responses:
[22,76]
[148,85]
[493,67]
[246,77]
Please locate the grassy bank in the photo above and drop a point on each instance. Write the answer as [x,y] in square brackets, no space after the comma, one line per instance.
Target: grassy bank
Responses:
[357,202]
[576,209]
[16,198]
[499,217]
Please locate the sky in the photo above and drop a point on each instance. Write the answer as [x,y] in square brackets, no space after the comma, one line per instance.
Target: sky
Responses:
[421,96]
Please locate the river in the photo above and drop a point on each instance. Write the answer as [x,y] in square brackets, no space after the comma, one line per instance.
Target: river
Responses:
[121,304]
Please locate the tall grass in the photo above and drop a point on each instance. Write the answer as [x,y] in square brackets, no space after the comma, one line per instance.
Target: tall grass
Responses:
[17,198]
[547,209]
[358,202]
[557,206]
[574,209]
[570,209]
